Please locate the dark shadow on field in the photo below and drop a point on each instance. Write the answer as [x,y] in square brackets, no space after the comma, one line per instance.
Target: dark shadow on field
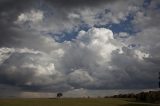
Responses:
[133,102]
[137,104]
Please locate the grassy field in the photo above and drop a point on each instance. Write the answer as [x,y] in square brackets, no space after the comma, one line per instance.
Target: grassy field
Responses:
[71,102]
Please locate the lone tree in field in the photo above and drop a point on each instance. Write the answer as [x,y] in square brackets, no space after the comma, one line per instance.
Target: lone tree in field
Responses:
[59,95]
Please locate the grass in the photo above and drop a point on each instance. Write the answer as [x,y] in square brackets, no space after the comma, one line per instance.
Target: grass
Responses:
[71,102]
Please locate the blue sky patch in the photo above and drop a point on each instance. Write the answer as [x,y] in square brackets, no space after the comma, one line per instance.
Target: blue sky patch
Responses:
[123,26]
[68,36]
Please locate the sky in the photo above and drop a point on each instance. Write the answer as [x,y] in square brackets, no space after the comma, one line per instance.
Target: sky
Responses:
[78,47]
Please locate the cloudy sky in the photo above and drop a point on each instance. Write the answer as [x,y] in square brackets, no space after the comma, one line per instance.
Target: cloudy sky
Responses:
[78,47]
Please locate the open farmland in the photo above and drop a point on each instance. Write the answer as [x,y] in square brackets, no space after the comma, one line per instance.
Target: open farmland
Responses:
[72,102]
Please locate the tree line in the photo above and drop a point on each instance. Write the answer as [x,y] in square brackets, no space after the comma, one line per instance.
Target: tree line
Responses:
[151,96]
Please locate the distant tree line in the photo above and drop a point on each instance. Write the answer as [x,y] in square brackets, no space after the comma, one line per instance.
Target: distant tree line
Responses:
[131,95]
[151,96]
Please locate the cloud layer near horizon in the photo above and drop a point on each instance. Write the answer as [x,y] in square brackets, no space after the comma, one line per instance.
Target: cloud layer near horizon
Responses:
[32,59]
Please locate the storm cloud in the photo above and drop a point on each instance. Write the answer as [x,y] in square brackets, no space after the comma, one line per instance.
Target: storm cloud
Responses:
[91,56]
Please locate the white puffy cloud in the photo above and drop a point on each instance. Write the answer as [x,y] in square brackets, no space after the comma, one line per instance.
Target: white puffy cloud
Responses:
[57,19]
[99,40]
[140,55]
[38,66]
[107,60]
[33,16]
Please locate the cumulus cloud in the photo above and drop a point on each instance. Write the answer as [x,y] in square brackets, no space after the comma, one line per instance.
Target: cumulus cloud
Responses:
[89,62]
[33,16]
[32,68]
[59,16]
[80,78]
[96,59]
[100,40]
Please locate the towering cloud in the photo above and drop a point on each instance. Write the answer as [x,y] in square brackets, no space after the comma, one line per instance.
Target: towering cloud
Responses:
[78,45]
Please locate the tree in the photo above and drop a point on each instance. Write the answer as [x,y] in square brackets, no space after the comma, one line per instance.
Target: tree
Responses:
[59,95]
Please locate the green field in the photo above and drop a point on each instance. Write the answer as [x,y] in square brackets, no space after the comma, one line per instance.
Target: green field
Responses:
[72,102]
